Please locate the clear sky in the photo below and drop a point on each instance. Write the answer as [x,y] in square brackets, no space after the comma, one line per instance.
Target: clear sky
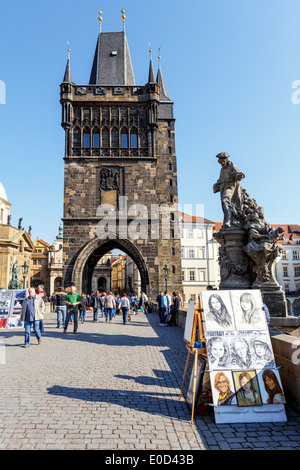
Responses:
[229,67]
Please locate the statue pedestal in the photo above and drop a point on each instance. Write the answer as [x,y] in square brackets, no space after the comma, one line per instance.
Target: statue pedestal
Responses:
[237,271]
[273,297]
[235,267]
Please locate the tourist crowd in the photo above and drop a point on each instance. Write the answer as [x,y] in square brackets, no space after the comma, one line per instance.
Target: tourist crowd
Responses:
[72,307]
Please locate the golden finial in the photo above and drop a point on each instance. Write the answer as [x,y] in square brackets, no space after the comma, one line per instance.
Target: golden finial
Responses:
[68,49]
[100,19]
[123,18]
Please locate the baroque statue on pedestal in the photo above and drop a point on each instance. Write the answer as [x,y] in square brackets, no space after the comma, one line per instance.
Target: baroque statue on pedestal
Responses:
[241,212]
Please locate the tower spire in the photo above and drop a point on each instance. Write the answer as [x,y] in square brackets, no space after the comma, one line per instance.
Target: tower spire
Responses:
[163,92]
[67,76]
[151,76]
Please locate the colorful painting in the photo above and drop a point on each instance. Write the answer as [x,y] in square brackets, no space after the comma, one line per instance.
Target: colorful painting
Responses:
[247,388]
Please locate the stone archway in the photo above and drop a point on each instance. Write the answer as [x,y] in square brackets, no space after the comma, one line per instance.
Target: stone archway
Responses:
[90,254]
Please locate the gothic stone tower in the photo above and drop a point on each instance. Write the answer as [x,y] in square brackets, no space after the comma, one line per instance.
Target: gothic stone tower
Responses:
[119,142]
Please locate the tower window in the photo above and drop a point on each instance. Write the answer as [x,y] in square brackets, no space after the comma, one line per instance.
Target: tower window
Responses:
[124,139]
[86,138]
[105,138]
[133,139]
[96,139]
[114,137]
[77,137]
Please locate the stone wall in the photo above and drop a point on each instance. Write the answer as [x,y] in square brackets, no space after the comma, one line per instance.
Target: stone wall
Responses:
[287,354]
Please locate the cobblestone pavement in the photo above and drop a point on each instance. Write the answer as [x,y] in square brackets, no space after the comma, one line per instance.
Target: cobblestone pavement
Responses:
[113,386]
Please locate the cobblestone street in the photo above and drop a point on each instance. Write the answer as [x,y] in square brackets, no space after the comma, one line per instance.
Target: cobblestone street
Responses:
[113,386]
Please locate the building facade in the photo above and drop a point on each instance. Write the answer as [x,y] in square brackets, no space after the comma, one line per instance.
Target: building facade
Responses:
[16,246]
[287,269]
[199,256]
[119,153]
[39,266]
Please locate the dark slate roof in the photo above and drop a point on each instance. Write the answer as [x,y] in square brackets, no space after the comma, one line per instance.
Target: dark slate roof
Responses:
[67,76]
[112,62]
[151,76]
[163,92]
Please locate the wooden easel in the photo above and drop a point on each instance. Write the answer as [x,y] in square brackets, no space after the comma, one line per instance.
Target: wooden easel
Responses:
[197,322]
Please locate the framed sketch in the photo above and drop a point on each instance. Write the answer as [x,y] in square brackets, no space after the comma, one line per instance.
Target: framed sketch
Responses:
[248,310]
[262,352]
[247,388]
[222,387]
[240,352]
[217,311]
[271,387]
[218,352]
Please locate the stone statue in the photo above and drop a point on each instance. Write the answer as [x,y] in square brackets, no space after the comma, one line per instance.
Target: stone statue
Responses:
[14,282]
[20,223]
[229,187]
[249,245]
[8,219]
[262,247]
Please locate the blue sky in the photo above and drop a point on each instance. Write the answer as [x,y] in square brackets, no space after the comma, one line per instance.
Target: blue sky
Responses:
[228,66]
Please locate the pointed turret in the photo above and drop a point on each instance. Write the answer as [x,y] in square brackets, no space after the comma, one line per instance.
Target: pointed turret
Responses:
[163,92]
[67,76]
[151,76]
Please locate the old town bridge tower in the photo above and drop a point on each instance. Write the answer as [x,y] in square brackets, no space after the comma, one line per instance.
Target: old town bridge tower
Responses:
[119,146]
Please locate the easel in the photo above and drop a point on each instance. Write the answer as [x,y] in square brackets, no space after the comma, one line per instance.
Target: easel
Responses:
[197,322]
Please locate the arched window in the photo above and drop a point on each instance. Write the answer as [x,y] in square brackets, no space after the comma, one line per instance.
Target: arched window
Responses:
[105,137]
[124,138]
[96,137]
[115,137]
[76,137]
[133,138]
[86,137]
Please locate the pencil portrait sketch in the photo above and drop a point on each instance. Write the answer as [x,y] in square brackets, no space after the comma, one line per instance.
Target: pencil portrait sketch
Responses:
[218,353]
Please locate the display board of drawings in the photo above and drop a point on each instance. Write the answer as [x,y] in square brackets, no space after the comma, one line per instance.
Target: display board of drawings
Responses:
[11,301]
[245,383]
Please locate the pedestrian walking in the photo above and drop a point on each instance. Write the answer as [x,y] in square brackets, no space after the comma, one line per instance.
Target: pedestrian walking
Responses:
[61,307]
[32,313]
[53,303]
[41,293]
[102,299]
[97,306]
[110,305]
[174,309]
[145,302]
[125,305]
[83,307]
[158,301]
[164,309]
[73,299]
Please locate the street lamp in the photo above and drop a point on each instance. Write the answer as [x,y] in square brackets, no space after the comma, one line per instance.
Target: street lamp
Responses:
[166,273]
[25,271]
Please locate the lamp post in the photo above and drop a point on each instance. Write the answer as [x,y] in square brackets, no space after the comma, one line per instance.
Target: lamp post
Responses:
[166,273]
[25,271]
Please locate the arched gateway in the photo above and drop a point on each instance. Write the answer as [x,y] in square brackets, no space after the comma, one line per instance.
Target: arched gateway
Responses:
[119,144]
[94,250]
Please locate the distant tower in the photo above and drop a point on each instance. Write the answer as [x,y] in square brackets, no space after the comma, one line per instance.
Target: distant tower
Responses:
[119,141]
